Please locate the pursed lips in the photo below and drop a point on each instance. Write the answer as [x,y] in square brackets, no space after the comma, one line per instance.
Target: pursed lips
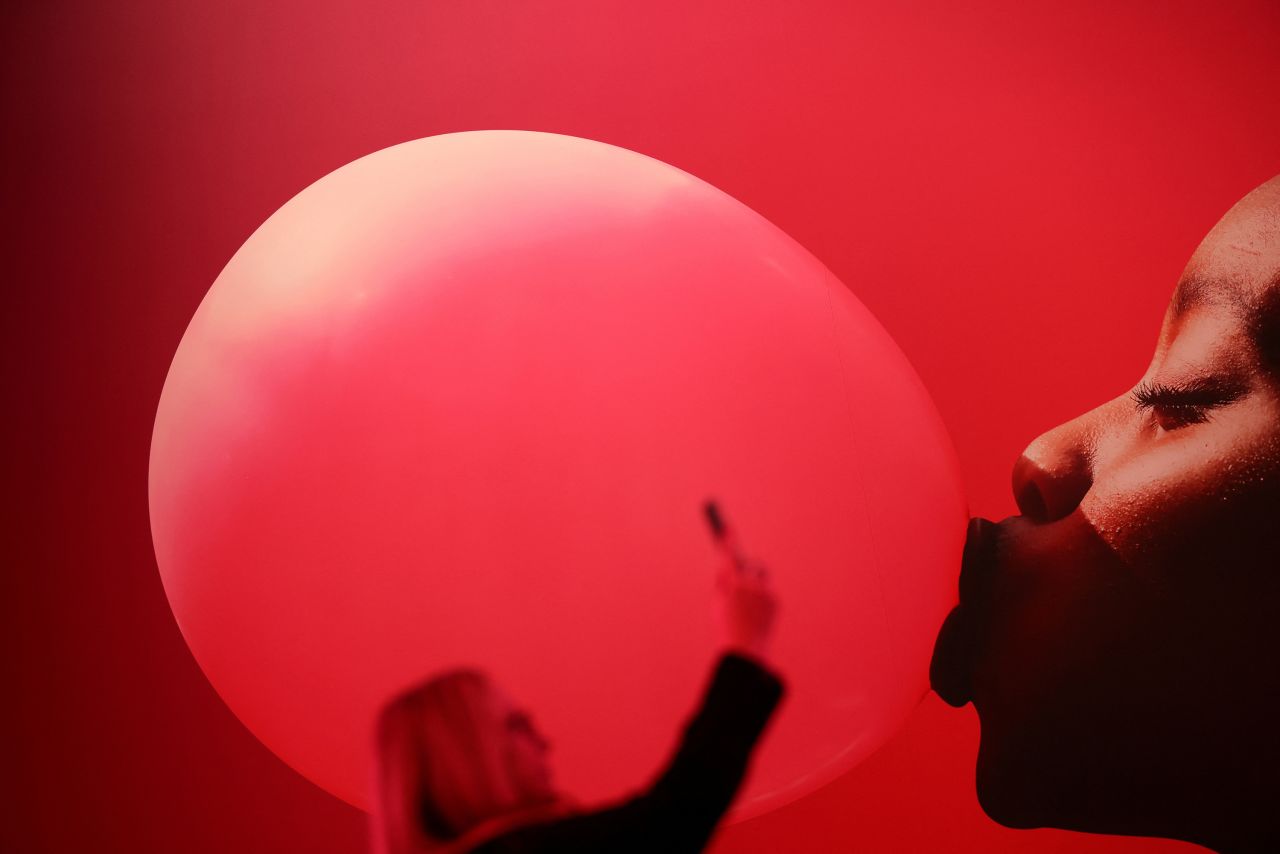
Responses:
[951,670]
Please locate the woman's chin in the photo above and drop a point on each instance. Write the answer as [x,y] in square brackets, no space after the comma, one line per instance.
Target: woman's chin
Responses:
[1011,793]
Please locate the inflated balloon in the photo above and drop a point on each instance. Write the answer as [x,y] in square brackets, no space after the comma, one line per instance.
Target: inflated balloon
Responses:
[461,401]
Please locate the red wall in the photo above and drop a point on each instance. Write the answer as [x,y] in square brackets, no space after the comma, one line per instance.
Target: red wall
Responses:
[1012,192]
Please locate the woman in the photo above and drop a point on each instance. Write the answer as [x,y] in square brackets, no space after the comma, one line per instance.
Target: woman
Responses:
[462,768]
[1119,637]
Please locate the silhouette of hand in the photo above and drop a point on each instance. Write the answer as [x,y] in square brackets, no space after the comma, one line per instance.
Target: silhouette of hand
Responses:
[747,607]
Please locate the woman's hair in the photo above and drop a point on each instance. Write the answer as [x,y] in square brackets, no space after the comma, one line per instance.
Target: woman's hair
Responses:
[441,765]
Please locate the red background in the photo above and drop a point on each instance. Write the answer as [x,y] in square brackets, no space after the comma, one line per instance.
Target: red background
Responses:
[1013,192]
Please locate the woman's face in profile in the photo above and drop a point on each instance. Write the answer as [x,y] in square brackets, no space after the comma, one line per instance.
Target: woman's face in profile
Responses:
[1118,638]
[525,751]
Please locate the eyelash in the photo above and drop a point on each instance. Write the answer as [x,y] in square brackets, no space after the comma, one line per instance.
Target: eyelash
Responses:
[1177,406]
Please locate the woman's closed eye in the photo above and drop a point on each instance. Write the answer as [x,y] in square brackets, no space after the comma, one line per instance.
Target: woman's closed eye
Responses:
[1180,404]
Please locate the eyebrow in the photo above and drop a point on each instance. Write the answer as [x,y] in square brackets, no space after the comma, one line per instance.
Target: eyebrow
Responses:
[1190,292]
[1261,318]
[1197,289]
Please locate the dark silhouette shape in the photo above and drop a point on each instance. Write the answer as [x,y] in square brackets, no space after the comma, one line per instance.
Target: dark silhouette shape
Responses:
[1119,637]
[462,768]
[680,811]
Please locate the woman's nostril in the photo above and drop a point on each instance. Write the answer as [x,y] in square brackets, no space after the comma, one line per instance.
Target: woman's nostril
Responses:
[1031,502]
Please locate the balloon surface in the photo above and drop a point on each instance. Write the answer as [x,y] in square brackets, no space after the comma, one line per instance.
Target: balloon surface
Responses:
[460,403]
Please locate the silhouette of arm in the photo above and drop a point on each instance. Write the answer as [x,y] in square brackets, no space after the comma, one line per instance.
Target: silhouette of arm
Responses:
[680,811]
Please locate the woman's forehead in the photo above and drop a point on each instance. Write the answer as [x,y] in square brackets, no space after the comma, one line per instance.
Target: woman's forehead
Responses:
[1239,260]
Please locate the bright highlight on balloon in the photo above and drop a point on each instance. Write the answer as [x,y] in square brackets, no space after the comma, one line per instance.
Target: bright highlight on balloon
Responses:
[460,403]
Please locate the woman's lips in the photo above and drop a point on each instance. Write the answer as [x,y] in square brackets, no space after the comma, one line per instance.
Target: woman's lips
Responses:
[950,671]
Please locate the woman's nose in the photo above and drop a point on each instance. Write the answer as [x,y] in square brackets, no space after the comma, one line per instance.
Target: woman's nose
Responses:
[1053,475]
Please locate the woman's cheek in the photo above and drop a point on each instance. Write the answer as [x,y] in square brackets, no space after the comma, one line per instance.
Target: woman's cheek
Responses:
[1176,494]
[1057,602]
